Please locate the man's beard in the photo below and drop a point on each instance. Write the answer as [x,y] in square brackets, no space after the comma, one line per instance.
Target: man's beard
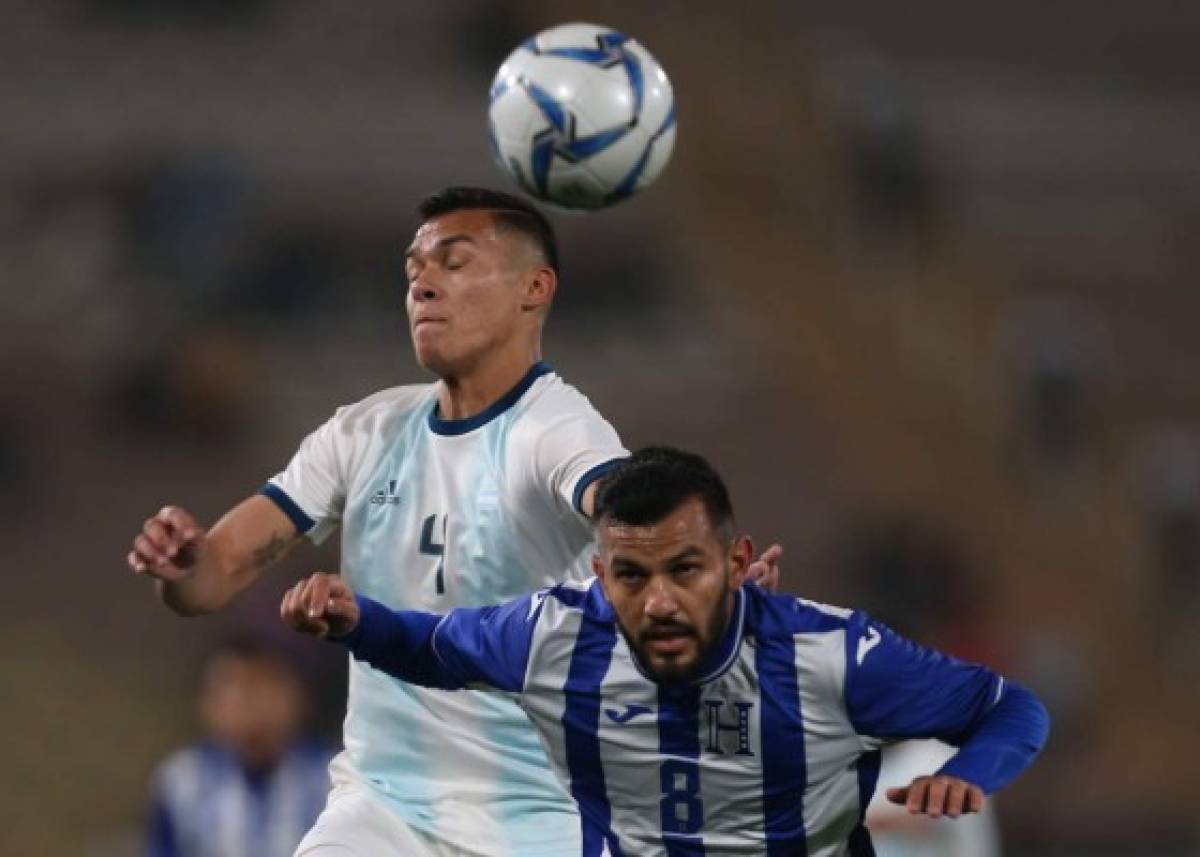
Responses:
[681,674]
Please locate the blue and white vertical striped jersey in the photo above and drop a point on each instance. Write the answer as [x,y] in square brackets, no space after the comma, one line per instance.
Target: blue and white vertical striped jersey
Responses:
[773,750]
[437,514]
[205,804]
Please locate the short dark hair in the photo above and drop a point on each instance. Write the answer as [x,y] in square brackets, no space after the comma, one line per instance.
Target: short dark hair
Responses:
[655,481]
[510,211]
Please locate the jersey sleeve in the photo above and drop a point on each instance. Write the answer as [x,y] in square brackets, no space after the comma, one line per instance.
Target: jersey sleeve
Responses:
[468,647]
[311,491]
[572,453]
[898,689]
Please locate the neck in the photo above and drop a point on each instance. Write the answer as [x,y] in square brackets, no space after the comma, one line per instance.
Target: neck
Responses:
[464,394]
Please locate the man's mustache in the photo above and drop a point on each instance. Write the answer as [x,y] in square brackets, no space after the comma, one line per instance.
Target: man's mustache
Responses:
[661,630]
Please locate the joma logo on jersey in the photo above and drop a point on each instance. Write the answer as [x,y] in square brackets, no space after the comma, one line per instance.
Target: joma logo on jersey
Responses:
[386,496]
[736,722]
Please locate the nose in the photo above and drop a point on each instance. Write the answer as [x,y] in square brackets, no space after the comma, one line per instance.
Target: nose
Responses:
[421,288]
[660,601]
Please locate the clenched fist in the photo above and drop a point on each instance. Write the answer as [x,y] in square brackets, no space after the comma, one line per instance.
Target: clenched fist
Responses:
[322,605]
[169,545]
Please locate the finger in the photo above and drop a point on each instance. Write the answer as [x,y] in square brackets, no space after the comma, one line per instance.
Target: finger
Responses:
[136,562]
[317,597]
[146,550]
[287,607]
[161,537]
[755,571]
[974,799]
[916,796]
[159,569]
[292,609]
[772,554]
[180,522]
[897,796]
[342,607]
[935,801]
[955,798]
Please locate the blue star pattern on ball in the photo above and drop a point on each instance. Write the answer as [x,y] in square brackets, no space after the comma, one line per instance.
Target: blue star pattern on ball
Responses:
[560,137]
[581,116]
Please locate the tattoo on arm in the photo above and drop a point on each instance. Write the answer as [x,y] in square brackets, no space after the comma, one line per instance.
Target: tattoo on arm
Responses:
[272,551]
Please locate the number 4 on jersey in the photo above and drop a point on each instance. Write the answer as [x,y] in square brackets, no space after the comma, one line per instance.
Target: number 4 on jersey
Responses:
[431,548]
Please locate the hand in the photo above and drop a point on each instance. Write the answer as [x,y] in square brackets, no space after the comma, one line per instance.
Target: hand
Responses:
[939,795]
[322,605]
[765,570]
[169,545]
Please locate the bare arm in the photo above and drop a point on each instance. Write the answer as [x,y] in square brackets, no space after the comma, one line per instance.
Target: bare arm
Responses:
[200,572]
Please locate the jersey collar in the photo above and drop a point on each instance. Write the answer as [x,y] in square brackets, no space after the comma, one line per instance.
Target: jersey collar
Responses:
[453,427]
[726,652]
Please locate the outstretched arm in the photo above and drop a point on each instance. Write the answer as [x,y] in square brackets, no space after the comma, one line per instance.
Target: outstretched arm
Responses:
[199,571]
[897,689]
[997,747]
[486,646]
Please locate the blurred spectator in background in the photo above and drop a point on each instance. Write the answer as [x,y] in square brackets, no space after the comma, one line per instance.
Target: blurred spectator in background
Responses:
[253,785]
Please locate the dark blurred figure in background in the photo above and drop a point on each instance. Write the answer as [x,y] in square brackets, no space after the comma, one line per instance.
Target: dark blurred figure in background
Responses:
[254,784]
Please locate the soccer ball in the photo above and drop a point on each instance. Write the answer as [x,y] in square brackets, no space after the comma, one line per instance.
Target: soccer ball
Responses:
[582,116]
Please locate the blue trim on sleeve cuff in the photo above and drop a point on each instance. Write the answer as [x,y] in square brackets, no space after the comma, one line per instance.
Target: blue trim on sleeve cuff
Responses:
[453,427]
[588,478]
[288,506]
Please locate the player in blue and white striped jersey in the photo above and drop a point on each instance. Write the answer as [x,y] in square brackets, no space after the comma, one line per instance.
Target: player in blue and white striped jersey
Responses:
[691,714]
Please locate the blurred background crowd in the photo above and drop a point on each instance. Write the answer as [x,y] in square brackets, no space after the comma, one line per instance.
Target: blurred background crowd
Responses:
[917,282]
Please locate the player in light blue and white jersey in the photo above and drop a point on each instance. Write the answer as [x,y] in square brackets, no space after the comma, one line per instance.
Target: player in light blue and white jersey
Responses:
[467,491]
[688,713]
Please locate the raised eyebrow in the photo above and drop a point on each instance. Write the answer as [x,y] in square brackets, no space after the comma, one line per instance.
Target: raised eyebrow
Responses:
[440,244]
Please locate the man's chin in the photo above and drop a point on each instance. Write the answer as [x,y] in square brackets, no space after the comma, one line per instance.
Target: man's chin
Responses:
[432,359]
[669,670]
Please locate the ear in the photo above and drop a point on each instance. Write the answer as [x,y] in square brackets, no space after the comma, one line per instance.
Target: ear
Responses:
[741,554]
[540,286]
[600,572]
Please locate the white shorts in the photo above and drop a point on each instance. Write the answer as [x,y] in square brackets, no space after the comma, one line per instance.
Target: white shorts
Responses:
[356,823]
[359,822]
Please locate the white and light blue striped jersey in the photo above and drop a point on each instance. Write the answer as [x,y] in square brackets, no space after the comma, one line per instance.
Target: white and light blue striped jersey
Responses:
[774,750]
[437,514]
[205,804]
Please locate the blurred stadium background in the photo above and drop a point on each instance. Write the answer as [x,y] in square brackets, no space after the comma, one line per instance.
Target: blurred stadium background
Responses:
[919,280]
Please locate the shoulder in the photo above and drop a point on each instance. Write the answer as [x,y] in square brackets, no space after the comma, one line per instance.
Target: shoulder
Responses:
[384,404]
[568,604]
[551,401]
[189,769]
[569,597]
[777,615]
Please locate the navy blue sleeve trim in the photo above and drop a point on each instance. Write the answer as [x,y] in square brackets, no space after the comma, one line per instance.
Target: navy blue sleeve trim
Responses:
[288,506]
[588,478]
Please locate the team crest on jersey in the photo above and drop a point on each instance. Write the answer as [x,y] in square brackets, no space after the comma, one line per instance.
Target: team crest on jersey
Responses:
[728,731]
[386,496]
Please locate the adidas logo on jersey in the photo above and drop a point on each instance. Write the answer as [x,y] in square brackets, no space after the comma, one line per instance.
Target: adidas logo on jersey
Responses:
[386,496]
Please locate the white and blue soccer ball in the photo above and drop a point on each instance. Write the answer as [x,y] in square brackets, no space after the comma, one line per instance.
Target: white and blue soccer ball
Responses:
[582,116]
